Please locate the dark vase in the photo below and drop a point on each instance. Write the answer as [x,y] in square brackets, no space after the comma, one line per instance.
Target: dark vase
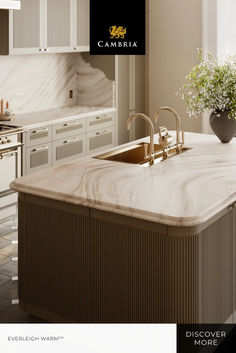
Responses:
[223,126]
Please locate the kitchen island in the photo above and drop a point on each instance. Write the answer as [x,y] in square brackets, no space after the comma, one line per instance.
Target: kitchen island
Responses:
[110,242]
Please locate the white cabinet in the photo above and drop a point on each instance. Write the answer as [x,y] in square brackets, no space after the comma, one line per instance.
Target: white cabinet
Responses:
[45,26]
[99,140]
[81,16]
[21,31]
[65,150]
[38,158]
[59,142]
[26,35]
[58,26]
[100,121]
[38,136]
[68,128]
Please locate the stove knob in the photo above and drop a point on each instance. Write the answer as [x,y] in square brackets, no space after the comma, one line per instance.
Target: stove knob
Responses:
[9,141]
[3,142]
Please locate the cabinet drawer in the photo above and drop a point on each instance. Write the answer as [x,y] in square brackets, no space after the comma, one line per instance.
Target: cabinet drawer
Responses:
[100,121]
[38,136]
[65,150]
[38,158]
[100,139]
[69,128]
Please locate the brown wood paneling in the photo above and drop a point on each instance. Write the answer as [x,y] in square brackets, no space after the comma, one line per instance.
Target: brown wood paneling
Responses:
[4,32]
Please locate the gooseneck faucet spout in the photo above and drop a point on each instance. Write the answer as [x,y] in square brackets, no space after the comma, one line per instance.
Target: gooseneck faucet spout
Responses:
[151,131]
[177,121]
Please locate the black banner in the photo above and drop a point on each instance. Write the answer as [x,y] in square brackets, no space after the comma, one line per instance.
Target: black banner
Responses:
[206,338]
[117,28]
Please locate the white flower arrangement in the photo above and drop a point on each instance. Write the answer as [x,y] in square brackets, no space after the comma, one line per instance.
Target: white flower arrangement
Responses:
[211,85]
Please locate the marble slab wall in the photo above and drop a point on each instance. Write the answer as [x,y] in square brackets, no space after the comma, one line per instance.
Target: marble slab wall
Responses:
[40,82]
[94,88]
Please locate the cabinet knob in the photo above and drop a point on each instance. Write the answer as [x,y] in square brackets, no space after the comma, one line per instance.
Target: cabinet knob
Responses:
[46,49]
[40,49]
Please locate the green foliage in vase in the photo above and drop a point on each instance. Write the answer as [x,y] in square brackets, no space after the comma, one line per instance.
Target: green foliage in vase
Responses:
[211,85]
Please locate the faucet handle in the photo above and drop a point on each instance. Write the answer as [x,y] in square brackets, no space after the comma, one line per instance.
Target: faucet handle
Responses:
[165,139]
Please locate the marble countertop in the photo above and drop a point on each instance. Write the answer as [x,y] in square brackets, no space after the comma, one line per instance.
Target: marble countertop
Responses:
[185,190]
[53,116]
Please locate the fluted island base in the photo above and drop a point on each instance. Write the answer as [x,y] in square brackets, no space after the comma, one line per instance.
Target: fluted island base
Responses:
[82,265]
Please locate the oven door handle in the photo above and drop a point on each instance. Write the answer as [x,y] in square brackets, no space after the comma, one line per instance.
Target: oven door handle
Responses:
[8,154]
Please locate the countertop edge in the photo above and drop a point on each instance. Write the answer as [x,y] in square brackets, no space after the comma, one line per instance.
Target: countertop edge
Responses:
[193,221]
[52,122]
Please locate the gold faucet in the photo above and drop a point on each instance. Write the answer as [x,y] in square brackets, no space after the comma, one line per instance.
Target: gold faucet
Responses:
[177,121]
[151,133]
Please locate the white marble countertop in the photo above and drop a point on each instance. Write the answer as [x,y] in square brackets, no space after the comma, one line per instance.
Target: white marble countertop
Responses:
[53,116]
[185,190]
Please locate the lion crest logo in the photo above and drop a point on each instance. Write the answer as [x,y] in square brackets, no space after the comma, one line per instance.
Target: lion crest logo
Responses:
[117,32]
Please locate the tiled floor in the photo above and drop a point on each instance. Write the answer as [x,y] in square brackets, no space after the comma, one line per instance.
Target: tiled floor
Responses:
[13,314]
[9,311]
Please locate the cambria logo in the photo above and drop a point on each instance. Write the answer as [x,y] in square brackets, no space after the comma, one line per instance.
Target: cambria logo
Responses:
[117,32]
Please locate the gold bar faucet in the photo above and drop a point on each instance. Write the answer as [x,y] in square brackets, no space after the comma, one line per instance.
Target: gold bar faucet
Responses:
[151,133]
[176,117]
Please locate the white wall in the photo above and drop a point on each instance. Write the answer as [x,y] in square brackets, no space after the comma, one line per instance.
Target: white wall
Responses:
[175,33]
[219,34]
[226,27]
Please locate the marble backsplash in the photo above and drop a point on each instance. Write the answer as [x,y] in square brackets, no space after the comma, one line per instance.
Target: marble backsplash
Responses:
[94,88]
[40,82]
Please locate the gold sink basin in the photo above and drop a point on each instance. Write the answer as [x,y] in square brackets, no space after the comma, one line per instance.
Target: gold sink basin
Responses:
[135,154]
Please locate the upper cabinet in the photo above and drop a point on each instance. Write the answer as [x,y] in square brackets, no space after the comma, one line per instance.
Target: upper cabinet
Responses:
[58,26]
[25,34]
[82,25]
[45,26]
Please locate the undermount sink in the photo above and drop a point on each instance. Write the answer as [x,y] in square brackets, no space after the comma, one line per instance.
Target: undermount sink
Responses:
[135,154]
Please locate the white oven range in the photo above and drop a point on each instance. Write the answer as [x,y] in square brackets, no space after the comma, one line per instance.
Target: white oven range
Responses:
[10,165]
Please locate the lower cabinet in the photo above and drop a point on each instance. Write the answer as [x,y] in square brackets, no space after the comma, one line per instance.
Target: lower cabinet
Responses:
[38,157]
[67,149]
[100,139]
[51,145]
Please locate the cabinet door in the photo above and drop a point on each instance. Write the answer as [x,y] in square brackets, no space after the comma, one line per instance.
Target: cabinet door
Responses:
[68,149]
[68,128]
[38,136]
[100,140]
[100,121]
[26,32]
[82,25]
[38,158]
[59,24]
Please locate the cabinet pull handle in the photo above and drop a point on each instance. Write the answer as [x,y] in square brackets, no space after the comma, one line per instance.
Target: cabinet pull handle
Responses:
[70,141]
[101,117]
[35,132]
[101,133]
[44,148]
[71,124]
